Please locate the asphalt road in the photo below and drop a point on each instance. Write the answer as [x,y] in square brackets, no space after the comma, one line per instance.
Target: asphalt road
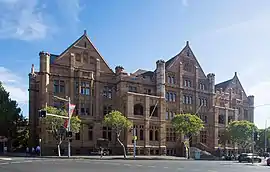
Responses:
[65,165]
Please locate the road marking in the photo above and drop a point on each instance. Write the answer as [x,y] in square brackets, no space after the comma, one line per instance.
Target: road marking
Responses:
[27,161]
[16,162]
[165,167]
[180,168]
[6,159]
[212,171]
[152,166]
[127,165]
[5,163]
[139,165]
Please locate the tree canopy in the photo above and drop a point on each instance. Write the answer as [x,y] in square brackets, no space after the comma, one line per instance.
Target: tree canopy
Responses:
[118,122]
[11,119]
[241,132]
[187,124]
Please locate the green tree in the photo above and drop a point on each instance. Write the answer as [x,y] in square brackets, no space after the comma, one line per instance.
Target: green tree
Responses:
[187,125]
[55,125]
[224,138]
[22,133]
[241,133]
[9,115]
[260,142]
[118,122]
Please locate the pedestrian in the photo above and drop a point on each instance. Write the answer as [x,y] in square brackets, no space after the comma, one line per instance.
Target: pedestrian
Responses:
[27,151]
[33,151]
[101,152]
[38,150]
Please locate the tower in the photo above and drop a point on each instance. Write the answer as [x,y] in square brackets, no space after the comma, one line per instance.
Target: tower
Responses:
[160,78]
[44,77]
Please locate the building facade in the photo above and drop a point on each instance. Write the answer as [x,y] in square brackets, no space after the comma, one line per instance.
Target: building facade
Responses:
[150,99]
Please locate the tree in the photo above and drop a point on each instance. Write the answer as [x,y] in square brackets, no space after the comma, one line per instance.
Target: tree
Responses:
[241,132]
[260,142]
[9,116]
[187,125]
[224,138]
[55,125]
[118,122]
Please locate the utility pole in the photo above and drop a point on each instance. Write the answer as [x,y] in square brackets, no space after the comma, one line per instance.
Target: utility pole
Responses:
[134,142]
[253,137]
[68,127]
[265,137]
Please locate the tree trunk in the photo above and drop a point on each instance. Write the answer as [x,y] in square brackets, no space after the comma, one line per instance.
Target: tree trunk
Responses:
[58,147]
[124,149]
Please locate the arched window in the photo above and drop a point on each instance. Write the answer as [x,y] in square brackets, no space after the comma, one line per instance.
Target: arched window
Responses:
[151,135]
[156,135]
[138,109]
[155,113]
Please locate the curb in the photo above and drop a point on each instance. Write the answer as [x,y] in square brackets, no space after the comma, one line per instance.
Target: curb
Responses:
[116,158]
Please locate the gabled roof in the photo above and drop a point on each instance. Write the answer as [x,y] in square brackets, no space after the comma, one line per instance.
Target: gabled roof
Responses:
[223,85]
[139,72]
[80,38]
[171,61]
[226,84]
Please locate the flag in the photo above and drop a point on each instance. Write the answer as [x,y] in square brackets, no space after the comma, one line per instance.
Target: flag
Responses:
[66,123]
[71,108]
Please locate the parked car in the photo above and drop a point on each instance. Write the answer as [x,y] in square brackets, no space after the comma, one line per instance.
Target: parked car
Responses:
[247,157]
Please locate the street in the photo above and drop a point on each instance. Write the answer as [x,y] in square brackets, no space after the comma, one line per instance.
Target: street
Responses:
[66,165]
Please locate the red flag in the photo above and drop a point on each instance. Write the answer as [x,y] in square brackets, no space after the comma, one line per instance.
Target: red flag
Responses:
[66,123]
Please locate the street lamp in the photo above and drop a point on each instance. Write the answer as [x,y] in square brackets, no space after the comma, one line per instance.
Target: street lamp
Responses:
[40,147]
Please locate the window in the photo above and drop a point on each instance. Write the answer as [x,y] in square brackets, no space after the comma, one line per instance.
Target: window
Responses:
[230,119]
[78,57]
[107,92]
[187,83]
[147,91]
[203,136]
[187,67]
[85,88]
[78,136]
[107,133]
[203,101]
[107,109]
[202,86]
[167,115]
[90,132]
[187,99]
[85,57]
[171,96]
[154,111]
[171,79]
[58,86]
[204,118]
[170,135]
[132,89]
[156,135]
[221,119]
[76,87]
[85,44]
[141,134]
[138,109]
[151,135]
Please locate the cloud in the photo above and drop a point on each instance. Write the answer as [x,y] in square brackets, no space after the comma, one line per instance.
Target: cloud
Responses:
[185,3]
[22,19]
[14,84]
[71,9]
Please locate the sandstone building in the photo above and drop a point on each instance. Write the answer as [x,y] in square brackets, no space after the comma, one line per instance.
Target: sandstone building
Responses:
[178,85]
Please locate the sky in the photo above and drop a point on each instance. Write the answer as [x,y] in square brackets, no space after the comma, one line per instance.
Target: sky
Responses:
[225,36]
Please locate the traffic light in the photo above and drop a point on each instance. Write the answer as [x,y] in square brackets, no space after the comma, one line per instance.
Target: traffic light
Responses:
[69,134]
[256,136]
[42,113]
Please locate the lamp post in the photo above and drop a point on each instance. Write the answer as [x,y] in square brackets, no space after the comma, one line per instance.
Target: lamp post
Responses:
[40,147]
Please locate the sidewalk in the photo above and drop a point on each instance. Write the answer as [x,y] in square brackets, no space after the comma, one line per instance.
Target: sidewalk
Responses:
[120,157]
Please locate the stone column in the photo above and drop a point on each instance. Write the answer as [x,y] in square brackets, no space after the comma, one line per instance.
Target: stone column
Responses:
[146,126]
[251,108]
[97,92]
[71,80]
[160,78]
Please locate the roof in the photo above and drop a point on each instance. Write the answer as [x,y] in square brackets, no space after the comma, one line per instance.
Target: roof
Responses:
[223,85]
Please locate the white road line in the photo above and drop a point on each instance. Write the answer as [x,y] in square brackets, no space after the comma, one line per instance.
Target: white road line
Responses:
[139,165]
[165,167]
[6,159]
[127,165]
[16,162]
[180,168]
[27,161]
[152,166]
[5,163]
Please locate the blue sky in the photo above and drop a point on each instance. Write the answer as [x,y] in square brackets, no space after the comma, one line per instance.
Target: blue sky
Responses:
[226,36]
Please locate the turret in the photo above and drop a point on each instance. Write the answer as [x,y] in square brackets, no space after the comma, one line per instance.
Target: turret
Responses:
[211,80]
[45,80]
[160,78]
[251,101]
[119,70]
